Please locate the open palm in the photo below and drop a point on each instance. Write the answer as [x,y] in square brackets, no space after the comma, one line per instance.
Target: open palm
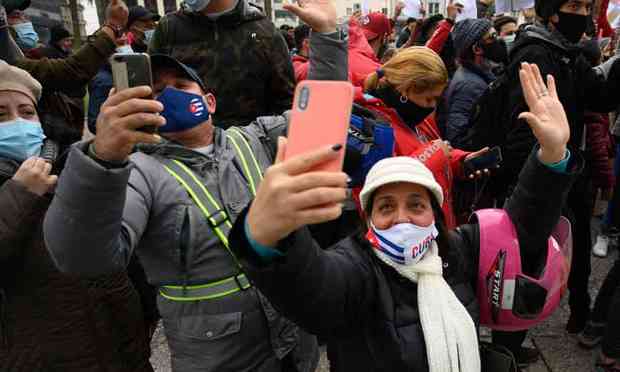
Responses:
[546,117]
[320,15]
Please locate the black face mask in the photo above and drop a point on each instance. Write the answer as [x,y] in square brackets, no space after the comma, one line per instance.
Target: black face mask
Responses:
[411,113]
[572,26]
[496,51]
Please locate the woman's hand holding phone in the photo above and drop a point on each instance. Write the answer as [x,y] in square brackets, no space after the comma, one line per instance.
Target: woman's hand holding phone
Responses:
[291,195]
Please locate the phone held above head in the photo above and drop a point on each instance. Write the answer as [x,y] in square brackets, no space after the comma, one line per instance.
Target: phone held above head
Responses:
[320,116]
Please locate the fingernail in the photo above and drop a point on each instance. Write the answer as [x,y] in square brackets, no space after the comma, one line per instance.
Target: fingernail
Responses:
[157,137]
[337,147]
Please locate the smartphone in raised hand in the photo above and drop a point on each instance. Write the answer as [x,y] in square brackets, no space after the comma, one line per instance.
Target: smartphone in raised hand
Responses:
[131,70]
[320,117]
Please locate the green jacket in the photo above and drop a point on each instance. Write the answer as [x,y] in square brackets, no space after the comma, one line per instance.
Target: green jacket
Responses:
[76,70]
[241,57]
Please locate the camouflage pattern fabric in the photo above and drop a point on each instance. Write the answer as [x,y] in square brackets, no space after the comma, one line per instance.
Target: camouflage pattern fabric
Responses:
[241,57]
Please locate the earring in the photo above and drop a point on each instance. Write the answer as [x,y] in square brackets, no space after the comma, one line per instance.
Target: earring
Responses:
[403,99]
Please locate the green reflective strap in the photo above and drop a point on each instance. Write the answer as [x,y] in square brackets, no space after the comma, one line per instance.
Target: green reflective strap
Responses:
[244,152]
[221,235]
[244,164]
[208,291]
[257,168]
[206,192]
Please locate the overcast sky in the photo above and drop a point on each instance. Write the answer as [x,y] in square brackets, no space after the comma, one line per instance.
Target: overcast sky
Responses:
[90,15]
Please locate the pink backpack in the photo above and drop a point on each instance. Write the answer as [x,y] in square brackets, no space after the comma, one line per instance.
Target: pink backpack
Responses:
[510,300]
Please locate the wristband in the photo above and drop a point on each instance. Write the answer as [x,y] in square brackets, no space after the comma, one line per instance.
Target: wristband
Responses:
[104,163]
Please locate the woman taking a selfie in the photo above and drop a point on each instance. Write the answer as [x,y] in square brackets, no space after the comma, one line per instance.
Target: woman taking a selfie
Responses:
[401,296]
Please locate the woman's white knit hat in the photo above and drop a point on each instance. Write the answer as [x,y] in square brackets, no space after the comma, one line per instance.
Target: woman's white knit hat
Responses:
[399,169]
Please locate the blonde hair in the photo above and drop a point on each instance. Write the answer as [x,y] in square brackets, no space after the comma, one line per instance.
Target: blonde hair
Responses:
[415,69]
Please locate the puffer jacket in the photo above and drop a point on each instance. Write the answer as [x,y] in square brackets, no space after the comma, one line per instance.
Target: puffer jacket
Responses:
[50,321]
[467,85]
[240,56]
[368,312]
[600,150]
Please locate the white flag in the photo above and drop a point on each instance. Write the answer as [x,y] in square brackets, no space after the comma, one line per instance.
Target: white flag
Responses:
[469,9]
[613,13]
[412,9]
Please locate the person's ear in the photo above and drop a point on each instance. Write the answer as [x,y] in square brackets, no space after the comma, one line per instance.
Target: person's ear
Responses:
[211,102]
[554,18]
[477,50]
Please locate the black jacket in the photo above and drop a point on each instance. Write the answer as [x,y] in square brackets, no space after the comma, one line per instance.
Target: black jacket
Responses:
[368,312]
[579,88]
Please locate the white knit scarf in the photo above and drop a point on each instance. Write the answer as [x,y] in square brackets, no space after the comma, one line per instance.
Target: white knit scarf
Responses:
[449,332]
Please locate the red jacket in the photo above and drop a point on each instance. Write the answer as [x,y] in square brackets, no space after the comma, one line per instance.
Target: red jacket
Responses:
[300,65]
[441,34]
[602,22]
[362,59]
[599,150]
[420,144]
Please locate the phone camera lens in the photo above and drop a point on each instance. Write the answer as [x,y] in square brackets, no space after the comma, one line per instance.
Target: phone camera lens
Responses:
[304,96]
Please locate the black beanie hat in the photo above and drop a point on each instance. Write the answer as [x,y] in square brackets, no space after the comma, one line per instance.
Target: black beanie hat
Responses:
[546,8]
[58,33]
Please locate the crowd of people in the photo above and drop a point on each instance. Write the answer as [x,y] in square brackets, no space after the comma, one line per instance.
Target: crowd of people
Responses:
[251,260]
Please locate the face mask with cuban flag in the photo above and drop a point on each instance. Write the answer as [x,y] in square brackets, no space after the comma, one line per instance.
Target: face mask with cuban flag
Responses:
[182,110]
[403,243]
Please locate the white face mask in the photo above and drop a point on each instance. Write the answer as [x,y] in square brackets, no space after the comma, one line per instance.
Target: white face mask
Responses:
[510,39]
[197,5]
[404,243]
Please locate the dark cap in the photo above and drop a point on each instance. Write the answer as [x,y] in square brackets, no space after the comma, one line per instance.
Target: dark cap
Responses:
[163,61]
[502,21]
[141,13]
[58,33]
[12,5]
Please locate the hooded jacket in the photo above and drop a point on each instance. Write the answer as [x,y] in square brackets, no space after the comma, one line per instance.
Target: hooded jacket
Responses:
[368,312]
[467,85]
[362,59]
[240,56]
[578,86]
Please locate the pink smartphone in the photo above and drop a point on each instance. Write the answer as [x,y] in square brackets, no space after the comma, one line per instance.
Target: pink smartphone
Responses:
[320,116]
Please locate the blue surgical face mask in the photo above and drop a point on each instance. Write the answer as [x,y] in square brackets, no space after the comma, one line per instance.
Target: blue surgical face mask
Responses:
[27,38]
[148,36]
[182,110]
[124,49]
[197,5]
[20,139]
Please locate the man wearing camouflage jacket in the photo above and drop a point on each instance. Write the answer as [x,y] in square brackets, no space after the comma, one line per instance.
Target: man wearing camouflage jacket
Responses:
[237,51]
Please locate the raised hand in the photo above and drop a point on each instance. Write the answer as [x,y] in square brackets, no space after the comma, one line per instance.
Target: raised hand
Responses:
[320,15]
[291,196]
[34,175]
[546,117]
[121,115]
[117,13]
